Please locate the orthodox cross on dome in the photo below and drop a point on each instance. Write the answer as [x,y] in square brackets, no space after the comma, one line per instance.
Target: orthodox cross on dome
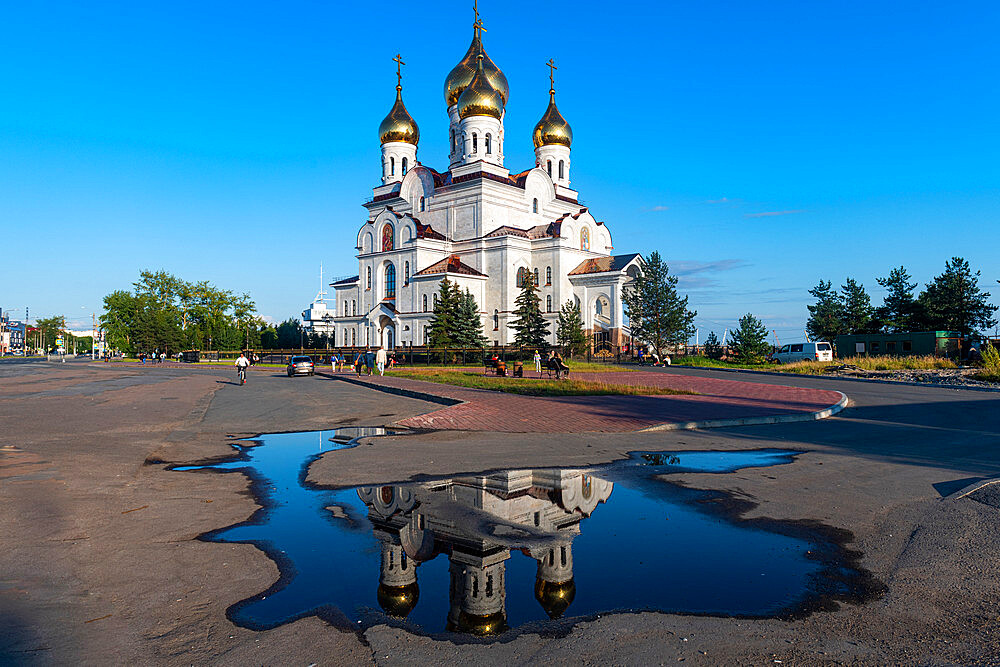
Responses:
[399,72]
[552,68]
[477,25]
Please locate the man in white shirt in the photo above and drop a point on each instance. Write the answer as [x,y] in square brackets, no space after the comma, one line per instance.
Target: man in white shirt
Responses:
[380,360]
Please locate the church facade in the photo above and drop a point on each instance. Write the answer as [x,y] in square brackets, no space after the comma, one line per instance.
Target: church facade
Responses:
[478,225]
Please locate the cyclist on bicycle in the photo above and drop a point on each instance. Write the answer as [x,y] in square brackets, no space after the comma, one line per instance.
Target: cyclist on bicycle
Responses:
[241,367]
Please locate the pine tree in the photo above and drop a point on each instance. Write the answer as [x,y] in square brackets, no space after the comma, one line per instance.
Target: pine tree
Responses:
[953,301]
[656,312]
[749,341]
[441,332]
[530,327]
[898,308]
[713,349]
[468,323]
[856,308]
[569,330]
[826,316]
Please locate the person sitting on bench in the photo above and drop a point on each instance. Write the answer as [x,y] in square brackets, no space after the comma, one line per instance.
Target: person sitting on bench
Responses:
[556,364]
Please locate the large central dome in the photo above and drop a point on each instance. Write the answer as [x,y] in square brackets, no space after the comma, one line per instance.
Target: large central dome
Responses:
[461,75]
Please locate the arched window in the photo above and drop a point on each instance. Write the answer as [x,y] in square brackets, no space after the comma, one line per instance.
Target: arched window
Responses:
[421,204]
[489,145]
[425,303]
[561,171]
[406,273]
[548,275]
[536,277]
[435,301]
[404,167]
[522,275]
[387,238]
[548,303]
[383,174]
[392,166]
[585,238]
[496,320]
[453,141]
[354,336]
[475,142]
[346,311]
[550,168]
[368,279]
[390,282]
[534,205]
[354,307]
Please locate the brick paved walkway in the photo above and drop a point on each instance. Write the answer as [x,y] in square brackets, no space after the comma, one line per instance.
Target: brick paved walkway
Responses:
[718,399]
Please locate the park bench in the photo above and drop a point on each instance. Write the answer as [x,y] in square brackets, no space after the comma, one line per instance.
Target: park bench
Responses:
[557,367]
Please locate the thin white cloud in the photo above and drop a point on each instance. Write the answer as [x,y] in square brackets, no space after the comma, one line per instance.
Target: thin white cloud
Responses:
[690,268]
[660,208]
[724,200]
[767,214]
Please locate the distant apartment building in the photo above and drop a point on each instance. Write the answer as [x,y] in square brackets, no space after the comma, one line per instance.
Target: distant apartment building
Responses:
[12,335]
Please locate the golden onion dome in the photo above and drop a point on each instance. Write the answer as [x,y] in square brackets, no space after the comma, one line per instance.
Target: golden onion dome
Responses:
[552,128]
[474,624]
[480,98]
[461,75]
[399,124]
[398,601]
[555,598]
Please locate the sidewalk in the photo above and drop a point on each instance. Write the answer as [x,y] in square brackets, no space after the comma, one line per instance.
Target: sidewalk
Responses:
[719,403]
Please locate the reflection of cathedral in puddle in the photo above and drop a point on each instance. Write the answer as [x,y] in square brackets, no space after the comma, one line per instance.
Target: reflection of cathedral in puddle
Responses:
[477,521]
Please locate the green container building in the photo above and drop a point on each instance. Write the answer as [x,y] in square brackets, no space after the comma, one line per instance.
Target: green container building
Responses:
[938,343]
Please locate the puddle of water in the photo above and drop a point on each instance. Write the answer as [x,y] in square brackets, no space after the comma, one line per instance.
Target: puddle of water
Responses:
[482,554]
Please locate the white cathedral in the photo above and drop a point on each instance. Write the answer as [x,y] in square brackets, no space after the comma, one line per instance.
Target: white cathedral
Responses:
[478,225]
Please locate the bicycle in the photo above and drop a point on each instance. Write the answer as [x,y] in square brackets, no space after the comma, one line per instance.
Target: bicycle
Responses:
[242,372]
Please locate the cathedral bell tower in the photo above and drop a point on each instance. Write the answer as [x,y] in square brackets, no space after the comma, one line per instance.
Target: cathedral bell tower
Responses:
[398,134]
[552,138]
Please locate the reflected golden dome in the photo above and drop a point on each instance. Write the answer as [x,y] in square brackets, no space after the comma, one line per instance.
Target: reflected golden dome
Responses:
[398,601]
[552,128]
[399,124]
[480,98]
[554,598]
[462,74]
[472,624]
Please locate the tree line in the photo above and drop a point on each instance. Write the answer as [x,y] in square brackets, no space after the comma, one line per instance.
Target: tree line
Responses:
[165,313]
[952,301]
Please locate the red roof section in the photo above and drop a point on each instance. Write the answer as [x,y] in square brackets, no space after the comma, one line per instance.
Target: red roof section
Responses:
[451,264]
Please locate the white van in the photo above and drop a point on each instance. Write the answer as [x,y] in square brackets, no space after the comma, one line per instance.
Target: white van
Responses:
[804,352]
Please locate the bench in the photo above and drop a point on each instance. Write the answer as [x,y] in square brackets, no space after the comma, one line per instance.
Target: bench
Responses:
[556,366]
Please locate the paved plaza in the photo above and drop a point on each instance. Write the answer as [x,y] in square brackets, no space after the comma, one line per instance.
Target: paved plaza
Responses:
[102,563]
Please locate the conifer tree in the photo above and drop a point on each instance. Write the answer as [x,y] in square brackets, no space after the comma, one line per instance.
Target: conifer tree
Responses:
[826,316]
[656,312]
[530,327]
[749,341]
[953,301]
[898,307]
[713,349]
[441,331]
[856,308]
[569,330]
[468,323]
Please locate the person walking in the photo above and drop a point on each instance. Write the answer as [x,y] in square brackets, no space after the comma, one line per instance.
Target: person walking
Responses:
[380,360]
[538,363]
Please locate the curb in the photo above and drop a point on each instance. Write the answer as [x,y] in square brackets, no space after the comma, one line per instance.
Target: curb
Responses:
[751,421]
[958,387]
[409,393]
[971,488]
[670,426]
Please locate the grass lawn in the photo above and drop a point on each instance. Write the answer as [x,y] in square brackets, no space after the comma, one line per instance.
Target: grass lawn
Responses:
[530,386]
[529,367]
[878,363]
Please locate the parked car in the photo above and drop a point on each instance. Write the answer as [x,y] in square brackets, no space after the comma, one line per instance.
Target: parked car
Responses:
[301,366]
[804,352]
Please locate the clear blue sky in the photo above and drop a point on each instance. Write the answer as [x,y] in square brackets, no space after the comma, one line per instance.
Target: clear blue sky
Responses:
[759,146]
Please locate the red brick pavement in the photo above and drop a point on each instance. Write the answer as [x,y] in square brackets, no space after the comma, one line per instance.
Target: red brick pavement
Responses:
[718,399]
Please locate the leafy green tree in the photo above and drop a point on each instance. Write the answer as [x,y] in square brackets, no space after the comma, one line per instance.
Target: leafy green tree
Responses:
[269,338]
[856,308]
[569,329]
[898,308]
[529,325]
[656,312]
[826,315]
[289,334]
[953,301]
[713,348]
[749,340]
[51,327]
[468,322]
[442,329]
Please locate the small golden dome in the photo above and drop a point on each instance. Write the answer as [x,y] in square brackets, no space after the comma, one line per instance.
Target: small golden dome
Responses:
[398,601]
[473,624]
[399,124]
[462,74]
[555,598]
[480,98]
[552,128]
